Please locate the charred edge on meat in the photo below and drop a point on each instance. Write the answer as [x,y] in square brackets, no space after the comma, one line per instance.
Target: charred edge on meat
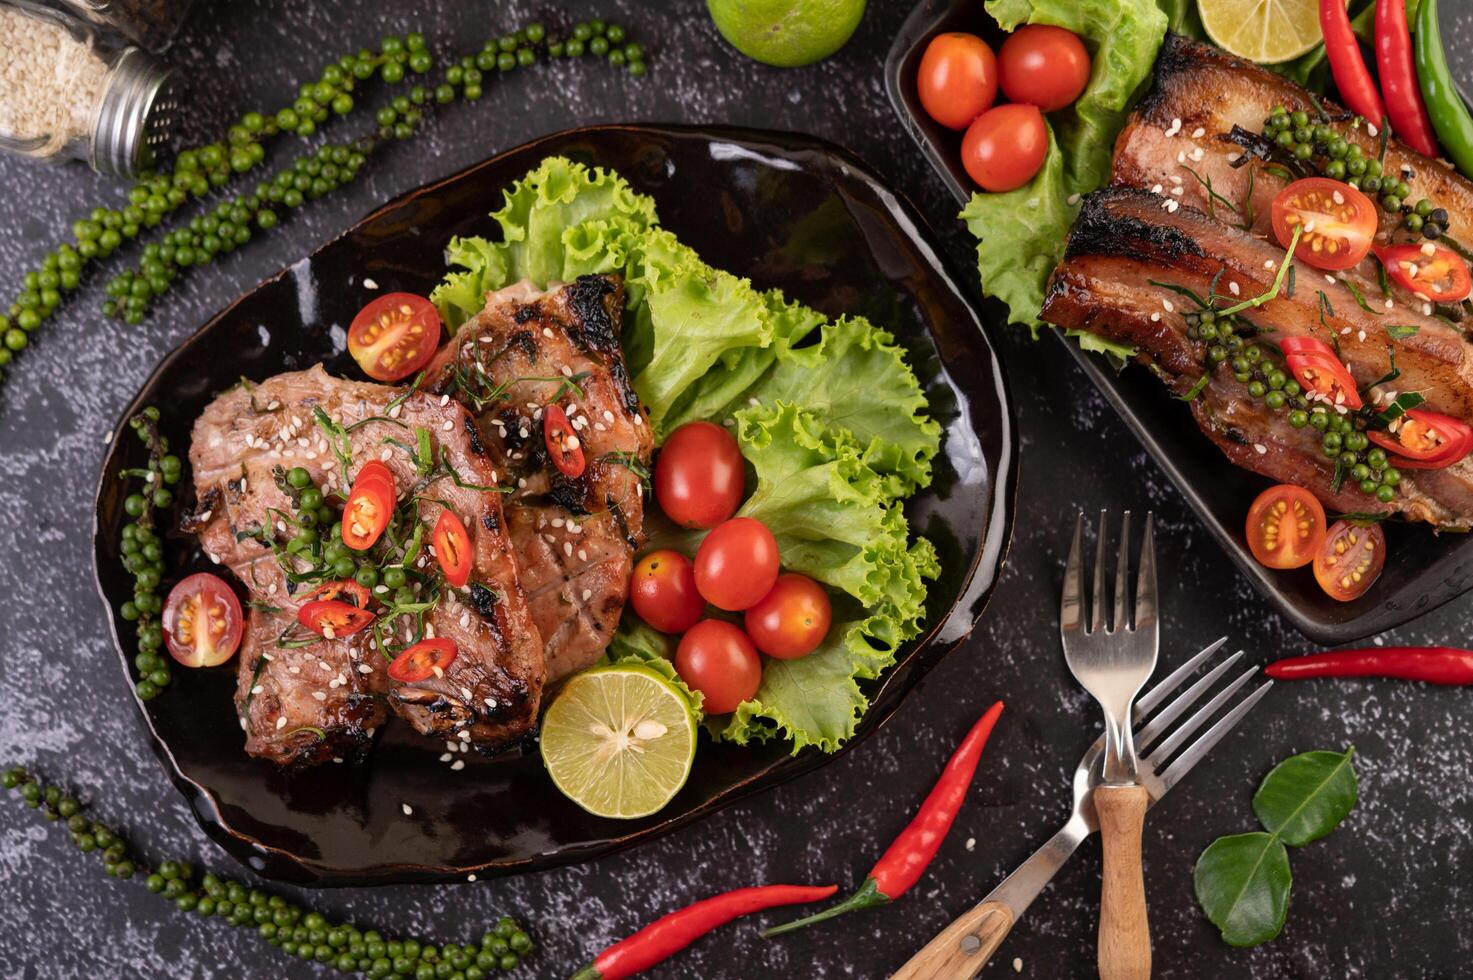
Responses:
[523,340]
[484,600]
[1099,230]
[473,434]
[526,313]
[621,522]
[199,516]
[511,422]
[490,522]
[570,495]
[595,331]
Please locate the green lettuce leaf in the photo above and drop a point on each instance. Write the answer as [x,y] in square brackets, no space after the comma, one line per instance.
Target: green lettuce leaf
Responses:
[636,642]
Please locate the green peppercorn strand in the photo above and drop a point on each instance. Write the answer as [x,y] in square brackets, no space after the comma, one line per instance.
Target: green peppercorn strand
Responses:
[131,293]
[296,932]
[142,550]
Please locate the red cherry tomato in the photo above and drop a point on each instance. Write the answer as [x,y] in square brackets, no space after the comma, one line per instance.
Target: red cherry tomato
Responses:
[563,445]
[425,658]
[1350,560]
[663,591]
[333,618]
[1319,371]
[1043,66]
[452,548]
[718,659]
[202,621]
[957,79]
[1005,147]
[1425,441]
[1286,525]
[394,336]
[1442,276]
[369,507]
[1339,222]
[791,620]
[699,476]
[737,564]
[336,590]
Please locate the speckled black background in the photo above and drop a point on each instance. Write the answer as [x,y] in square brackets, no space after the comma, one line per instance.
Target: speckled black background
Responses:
[1382,897]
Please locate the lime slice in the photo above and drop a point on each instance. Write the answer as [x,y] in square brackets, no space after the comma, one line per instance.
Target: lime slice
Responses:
[1264,31]
[786,33]
[619,741]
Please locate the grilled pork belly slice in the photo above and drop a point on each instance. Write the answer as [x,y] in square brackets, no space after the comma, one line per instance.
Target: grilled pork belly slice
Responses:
[1123,242]
[242,442]
[575,538]
[1200,93]
[1123,245]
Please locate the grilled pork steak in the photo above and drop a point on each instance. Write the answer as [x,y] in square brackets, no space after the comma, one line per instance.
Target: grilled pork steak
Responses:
[574,537]
[309,702]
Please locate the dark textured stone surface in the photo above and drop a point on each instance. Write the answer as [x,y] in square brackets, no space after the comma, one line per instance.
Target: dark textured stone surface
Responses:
[1382,897]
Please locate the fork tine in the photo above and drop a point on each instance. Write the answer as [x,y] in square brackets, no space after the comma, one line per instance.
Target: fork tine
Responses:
[1153,697]
[1145,588]
[1181,703]
[1070,606]
[1203,745]
[1122,574]
[1184,731]
[1097,599]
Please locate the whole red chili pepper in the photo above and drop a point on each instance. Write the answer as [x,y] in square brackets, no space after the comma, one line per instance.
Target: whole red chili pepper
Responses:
[1404,107]
[1435,665]
[1351,75]
[667,936]
[901,865]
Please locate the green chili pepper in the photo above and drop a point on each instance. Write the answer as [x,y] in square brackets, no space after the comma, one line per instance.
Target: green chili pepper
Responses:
[1449,116]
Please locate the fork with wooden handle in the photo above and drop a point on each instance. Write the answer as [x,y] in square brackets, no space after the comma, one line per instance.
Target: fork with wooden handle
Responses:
[963,948]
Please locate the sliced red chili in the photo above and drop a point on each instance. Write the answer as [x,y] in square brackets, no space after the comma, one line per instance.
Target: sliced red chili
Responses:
[1320,371]
[336,590]
[1425,440]
[425,659]
[452,548]
[333,618]
[1442,276]
[370,505]
[562,441]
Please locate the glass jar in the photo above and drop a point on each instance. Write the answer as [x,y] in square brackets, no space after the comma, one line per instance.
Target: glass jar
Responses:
[150,24]
[64,94]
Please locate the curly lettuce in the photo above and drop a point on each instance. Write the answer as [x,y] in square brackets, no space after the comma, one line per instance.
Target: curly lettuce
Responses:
[829,415]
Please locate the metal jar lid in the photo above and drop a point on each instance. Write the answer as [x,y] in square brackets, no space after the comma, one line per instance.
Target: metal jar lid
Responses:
[136,116]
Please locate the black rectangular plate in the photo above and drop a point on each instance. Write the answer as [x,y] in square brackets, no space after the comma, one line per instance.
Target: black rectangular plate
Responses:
[1423,570]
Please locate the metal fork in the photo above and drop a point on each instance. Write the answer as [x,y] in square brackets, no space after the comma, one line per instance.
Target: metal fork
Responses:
[1111,660]
[962,949]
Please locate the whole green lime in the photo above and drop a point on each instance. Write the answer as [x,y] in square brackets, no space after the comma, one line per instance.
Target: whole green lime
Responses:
[786,33]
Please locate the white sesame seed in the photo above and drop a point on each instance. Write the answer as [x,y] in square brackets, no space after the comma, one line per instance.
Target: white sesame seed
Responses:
[449,424]
[319,695]
[408,810]
[445,757]
[280,722]
[458,765]
[1155,317]
[1198,133]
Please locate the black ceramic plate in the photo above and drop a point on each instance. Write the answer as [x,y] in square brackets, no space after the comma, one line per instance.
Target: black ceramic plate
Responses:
[786,211]
[1423,570]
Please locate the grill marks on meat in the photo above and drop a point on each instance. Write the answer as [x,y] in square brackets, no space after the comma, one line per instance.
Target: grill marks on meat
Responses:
[575,538]
[310,703]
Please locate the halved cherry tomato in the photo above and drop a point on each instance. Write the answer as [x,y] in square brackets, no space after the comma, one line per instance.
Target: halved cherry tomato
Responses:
[370,505]
[425,658]
[562,441]
[202,621]
[1425,440]
[1349,560]
[719,660]
[394,336]
[1442,276]
[1320,371]
[333,618]
[1286,526]
[791,620]
[452,548]
[1339,222]
[957,79]
[737,564]
[1005,147]
[336,590]
[1044,66]
[699,475]
[663,591]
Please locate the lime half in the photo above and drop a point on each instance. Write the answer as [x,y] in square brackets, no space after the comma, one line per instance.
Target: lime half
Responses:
[786,33]
[1264,31]
[619,741]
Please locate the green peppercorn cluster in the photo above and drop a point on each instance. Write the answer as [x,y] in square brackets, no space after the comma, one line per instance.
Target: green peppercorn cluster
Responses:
[1252,365]
[1297,134]
[200,171]
[143,551]
[291,929]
